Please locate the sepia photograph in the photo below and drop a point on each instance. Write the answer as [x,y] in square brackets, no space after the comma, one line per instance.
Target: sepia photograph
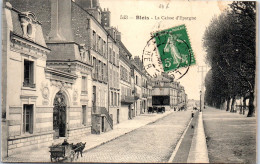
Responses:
[129,81]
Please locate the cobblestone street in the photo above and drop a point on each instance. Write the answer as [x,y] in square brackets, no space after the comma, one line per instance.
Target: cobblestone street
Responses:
[152,143]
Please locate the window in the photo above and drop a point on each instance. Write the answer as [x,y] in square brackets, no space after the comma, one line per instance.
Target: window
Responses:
[29,30]
[114,57]
[95,67]
[88,23]
[118,99]
[110,54]
[102,71]
[94,40]
[84,85]
[115,99]
[136,80]
[99,70]
[28,74]
[129,77]
[111,103]
[104,49]
[28,119]
[121,72]
[84,113]
[99,44]
[117,59]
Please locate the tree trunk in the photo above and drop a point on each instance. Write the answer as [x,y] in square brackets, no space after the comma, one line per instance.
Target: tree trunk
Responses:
[251,108]
[244,105]
[232,104]
[228,103]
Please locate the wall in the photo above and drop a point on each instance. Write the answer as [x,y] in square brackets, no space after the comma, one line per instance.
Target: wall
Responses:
[124,112]
[96,124]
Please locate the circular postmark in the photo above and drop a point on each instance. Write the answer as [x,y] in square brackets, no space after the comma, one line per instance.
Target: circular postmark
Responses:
[168,51]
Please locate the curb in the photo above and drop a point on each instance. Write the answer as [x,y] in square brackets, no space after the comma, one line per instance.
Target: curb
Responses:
[179,143]
[198,151]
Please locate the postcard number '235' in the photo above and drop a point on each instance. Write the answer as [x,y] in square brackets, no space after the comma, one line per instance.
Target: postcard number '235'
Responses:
[123,17]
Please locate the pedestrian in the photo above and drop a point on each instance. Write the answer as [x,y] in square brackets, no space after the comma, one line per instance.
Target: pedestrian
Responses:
[65,142]
[192,114]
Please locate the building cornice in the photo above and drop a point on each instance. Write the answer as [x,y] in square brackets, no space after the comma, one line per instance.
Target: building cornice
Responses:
[15,38]
[61,73]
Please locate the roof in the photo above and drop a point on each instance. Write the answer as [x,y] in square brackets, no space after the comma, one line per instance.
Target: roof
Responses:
[161,78]
[17,28]
[41,8]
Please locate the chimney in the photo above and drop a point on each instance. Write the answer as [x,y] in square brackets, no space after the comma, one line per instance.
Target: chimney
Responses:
[85,4]
[118,36]
[105,18]
[61,29]
[95,3]
[137,60]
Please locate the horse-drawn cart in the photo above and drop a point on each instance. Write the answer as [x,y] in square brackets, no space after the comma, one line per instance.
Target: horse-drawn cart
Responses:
[62,152]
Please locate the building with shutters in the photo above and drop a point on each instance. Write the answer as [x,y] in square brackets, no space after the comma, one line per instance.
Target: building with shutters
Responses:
[126,83]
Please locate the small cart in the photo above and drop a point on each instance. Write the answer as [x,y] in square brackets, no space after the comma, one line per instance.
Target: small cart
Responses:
[62,152]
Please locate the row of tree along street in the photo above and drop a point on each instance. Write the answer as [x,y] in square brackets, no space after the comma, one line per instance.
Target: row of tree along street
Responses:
[230,43]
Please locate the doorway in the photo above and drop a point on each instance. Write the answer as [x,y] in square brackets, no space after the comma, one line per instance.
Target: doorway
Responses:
[59,115]
[118,116]
[102,123]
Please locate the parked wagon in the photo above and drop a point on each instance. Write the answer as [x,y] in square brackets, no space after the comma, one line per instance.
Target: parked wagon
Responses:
[160,109]
[59,152]
[66,151]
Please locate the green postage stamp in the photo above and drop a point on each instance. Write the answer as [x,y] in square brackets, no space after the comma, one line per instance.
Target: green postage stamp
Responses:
[174,48]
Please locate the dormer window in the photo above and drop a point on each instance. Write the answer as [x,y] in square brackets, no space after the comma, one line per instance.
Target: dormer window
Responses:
[29,30]
[28,23]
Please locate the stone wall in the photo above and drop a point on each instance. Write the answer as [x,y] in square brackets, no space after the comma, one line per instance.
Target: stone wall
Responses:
[78,133]
[19,145]
[96,124]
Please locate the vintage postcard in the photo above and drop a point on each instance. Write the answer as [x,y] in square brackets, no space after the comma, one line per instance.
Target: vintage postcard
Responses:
[132,81]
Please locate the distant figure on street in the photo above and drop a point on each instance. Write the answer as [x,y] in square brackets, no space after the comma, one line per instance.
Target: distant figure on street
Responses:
[65,142]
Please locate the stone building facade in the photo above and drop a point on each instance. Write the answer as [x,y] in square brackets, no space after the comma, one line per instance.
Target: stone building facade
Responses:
[168,93]
[127,97]
[137,78]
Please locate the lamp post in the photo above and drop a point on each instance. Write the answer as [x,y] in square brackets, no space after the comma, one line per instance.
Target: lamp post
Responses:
[200,100]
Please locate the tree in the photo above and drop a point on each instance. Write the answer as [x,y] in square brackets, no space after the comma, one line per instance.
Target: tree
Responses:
[229,41]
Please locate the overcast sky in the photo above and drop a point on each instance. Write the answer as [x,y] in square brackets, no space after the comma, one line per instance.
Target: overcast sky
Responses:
[135,33]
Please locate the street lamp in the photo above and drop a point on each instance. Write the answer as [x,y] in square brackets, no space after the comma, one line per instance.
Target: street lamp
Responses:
[200,100]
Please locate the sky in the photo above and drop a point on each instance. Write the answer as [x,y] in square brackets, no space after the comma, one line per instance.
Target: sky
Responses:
[135,33]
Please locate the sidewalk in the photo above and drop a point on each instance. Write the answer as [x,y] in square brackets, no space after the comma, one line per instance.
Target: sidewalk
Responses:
[92,140]
[198,151]
[231,137]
